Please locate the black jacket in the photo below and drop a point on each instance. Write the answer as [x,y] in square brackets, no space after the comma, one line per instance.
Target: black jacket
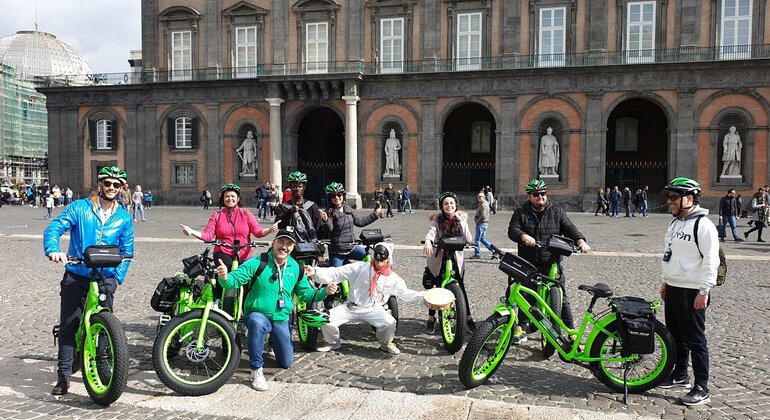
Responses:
[554,221]
[304,219]
[339,226]
[728,206]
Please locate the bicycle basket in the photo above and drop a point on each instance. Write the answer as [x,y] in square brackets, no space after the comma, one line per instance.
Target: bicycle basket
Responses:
[371,236]
[452,243]
[517,268]
[100,256]
[636,325]
[560,245]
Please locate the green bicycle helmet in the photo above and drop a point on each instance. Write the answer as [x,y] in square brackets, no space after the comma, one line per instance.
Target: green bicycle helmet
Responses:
[535,185]
[314,317]
[335,188]
[113,172]
[683,186]
[230,187]
[297,176]
[446,194]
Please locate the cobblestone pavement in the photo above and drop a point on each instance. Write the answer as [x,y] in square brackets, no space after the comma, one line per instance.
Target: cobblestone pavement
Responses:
[626,257]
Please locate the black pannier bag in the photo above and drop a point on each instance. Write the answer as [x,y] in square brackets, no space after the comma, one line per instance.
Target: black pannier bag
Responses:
[517,268]
[165,294]
[636,325]
[452,243]
[371,236]
[100,256]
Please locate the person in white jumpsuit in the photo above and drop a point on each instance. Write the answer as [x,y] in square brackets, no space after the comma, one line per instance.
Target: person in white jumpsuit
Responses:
[371,284]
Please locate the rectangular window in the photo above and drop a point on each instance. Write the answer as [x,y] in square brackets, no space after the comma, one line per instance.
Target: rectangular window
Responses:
[469,41]
[246,51]
[184,174]
[392,45]
[640,32]
[481,137]
[552,37]
[181,55]
[317,47]
[104,135]
[183,130]
[736,29]
[626,130]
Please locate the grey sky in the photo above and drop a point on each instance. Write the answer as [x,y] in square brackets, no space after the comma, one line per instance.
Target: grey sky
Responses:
[102,31]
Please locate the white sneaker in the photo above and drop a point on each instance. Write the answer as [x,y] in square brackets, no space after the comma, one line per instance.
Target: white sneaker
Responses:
[390,348]
[258,380]
[329,347]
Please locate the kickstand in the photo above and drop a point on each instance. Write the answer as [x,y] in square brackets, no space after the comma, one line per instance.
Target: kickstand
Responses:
[626,368]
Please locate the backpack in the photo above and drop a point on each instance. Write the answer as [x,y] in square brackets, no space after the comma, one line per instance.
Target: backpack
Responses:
[722,269]
[301,221]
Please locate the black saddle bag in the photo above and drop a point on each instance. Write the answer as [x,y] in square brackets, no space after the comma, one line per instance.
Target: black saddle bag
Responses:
[636,325]
[165,294]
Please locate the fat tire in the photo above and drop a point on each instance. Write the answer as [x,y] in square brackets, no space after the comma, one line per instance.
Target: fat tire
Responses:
[165,340]
[488,329]
[554,300]
[308,336]
[119,369]
[664,348]
[454,343]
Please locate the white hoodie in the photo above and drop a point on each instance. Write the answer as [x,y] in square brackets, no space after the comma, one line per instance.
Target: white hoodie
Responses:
[686,268]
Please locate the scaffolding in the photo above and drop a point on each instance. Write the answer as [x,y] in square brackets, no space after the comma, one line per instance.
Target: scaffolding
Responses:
[23,130]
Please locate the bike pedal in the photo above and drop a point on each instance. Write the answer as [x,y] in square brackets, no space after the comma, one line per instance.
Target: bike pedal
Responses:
[55,333]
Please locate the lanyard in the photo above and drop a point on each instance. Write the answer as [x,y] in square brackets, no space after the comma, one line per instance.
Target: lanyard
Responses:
[280,275]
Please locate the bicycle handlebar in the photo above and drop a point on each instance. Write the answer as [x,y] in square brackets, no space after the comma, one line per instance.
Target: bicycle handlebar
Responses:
[252,244]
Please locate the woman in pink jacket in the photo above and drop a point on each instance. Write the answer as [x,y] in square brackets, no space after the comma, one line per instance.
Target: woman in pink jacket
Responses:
[231,223]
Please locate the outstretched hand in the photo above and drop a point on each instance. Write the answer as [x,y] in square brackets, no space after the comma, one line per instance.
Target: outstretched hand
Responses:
[309,270]
[221,269]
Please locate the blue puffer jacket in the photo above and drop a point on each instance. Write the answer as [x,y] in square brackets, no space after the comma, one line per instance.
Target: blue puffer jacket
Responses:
[82,219]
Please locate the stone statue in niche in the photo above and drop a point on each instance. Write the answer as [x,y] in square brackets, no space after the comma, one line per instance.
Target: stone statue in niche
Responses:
[549,154]
[392,163]
[248,154]
[731,153]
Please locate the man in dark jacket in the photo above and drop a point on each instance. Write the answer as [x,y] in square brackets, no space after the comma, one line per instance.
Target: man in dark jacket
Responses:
[728,211]
[389,196]
[533,223]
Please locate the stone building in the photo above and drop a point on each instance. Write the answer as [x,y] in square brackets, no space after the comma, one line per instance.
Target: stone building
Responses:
[635,93]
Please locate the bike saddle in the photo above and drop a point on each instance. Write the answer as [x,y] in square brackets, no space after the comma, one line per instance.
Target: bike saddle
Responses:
[599,289]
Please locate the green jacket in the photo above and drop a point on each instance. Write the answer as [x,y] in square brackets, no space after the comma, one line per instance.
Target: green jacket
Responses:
[264,293]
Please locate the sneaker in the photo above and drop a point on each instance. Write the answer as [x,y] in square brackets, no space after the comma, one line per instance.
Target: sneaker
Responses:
[746,235]
[258,380]
[519,336]
[697,396]
[430,326]
[327,348]
[738,240]
[390,348]
[495,257]
[675,383]
[475,257]
[721,239]
[61,387]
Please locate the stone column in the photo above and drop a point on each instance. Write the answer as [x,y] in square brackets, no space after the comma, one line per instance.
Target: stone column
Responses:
[507,169]
[594,151]
[683,150]
[351,151]
[275,140]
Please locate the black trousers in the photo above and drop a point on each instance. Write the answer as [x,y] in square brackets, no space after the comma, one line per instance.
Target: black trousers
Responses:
[688,326]
[73,293]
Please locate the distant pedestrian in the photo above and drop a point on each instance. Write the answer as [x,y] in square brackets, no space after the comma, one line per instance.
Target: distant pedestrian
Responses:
[615,197]
[286,196]
[637,202]
[728,211]
[389,195]
[627,201]
[206,198]
[49,203]
[137,197]
[68,196]
[378,198]
[482,222]
[148,198]
[491,199]
[601,202]
[407,202]
[263,194]
[759,206]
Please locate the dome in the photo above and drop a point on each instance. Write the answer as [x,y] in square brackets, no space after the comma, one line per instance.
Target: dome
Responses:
[37,54]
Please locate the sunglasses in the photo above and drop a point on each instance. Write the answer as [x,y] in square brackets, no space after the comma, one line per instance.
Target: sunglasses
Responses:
[538,194]
[672,197]
[116,184]
[340,195]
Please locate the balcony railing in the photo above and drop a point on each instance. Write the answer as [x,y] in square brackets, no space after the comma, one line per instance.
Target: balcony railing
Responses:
[598,58]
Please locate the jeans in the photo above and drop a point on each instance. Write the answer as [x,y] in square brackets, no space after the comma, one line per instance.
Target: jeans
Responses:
[730,220]
[407,202]
[688,326]
[280,340]
[73,293]
[262,209]
[358,253]
[481,238]
[615,208]
[644,208]
[139,207]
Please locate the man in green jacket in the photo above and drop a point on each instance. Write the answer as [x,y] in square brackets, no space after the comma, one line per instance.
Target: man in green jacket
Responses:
[268,303]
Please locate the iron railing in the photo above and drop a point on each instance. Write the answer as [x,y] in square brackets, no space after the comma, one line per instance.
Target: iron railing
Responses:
[467,177]
[688,54]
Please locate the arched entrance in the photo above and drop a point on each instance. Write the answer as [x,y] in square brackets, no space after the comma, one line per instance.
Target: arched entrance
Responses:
[468,150]
[637,146]
[321,151]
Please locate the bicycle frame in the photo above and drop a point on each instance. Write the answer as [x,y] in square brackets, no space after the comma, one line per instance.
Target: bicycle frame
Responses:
[91,308]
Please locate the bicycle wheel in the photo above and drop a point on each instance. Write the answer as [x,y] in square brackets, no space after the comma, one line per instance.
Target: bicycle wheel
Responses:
[191,371]
[104,359]
[485,351]
[308,336]
[647,371]
[453,321]
[553,298]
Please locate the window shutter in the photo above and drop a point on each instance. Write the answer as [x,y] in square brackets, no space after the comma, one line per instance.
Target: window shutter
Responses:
[92,134]
[114,127]
[171,131]
[194,133]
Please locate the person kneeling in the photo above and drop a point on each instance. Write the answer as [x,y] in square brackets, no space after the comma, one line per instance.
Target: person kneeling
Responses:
[268,304]
[371,284]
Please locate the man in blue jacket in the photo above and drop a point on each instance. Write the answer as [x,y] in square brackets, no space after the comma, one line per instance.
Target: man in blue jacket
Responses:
[97,220]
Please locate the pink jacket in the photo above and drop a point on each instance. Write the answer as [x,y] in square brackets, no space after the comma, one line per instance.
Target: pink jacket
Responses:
[228,225]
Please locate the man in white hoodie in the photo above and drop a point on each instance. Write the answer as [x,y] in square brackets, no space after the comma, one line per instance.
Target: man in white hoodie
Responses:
[371,284]
[689,271]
